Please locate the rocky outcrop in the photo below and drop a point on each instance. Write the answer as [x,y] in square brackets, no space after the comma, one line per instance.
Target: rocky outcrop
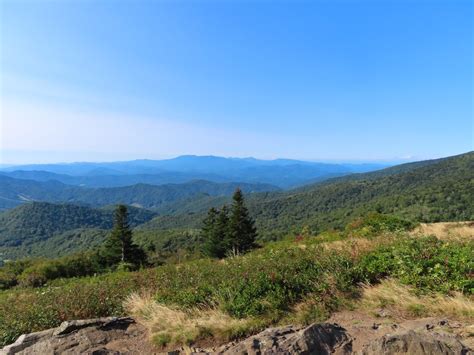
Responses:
[93,336]
[316,339]
[124,336]
[416,344]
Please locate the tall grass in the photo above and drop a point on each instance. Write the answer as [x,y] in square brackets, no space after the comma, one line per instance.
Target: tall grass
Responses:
[403,302]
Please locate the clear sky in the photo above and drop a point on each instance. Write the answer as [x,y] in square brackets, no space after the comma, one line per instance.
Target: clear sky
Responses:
[319,80]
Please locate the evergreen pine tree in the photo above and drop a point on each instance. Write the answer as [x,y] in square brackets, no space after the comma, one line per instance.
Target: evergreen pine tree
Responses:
[222,233]
[208,232]
[215,233]
[242,231]
[119,246]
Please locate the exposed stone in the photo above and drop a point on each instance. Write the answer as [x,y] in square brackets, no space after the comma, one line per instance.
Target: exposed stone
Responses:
[115,336]
[93,336]
[416,344]
[316,339]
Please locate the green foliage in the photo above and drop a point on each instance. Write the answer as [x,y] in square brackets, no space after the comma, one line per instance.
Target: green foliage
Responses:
[37,272]
[265,283]
[229,235]
[67,243]
[375,223]
[150,196]
[426,263]
[27,310]
[50,226]
[118,251]
[215,233]
[428,191]
[174,245]
[119,246]
[242,231]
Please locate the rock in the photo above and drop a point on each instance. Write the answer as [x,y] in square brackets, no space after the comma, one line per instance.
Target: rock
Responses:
[416,344]
[320,339]
[115,336]
[109,335]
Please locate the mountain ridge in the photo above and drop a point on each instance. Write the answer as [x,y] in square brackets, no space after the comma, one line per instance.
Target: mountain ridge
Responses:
[284,173]
[15,191]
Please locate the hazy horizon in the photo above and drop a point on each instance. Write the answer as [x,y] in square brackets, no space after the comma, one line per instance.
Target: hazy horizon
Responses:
[333,81]
[387,162]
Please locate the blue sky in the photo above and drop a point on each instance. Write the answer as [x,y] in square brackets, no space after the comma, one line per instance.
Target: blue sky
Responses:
[319,80]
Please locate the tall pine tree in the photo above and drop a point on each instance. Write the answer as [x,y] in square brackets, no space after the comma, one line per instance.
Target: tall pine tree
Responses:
[215,233]
[242,231]
[119,246]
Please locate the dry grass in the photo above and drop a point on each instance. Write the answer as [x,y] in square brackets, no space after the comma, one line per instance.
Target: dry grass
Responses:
[447,230]
[357,246]
[402,302]
[171,327]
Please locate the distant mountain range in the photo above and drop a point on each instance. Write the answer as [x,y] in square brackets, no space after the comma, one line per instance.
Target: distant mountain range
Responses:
[427,191]
[283,173]
[14,191]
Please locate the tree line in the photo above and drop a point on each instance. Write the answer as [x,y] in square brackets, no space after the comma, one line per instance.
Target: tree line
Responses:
[229,231]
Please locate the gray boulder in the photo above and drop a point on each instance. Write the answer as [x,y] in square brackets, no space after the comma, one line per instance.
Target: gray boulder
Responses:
[320,339]
[416,344]
[109,335]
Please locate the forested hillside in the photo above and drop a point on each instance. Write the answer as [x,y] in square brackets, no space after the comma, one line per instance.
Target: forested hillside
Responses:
[39,221]
[14,192]
[426,191]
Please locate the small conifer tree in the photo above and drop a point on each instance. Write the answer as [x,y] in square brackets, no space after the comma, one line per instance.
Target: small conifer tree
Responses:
[119,246]
[242,231]
[227,232]
[215,233]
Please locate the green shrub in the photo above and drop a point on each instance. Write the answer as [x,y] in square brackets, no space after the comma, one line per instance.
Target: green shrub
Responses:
[375,223]
[7,279]
[33,309]
[427,263]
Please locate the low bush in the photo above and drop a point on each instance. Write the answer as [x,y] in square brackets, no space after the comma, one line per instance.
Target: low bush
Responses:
[375,223]
[427,263]
[33,309]
[37,272]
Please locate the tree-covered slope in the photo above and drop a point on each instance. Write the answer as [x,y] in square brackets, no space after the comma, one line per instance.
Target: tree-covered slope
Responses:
[426,191]
[442,191]
[39,221]
[14,192]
